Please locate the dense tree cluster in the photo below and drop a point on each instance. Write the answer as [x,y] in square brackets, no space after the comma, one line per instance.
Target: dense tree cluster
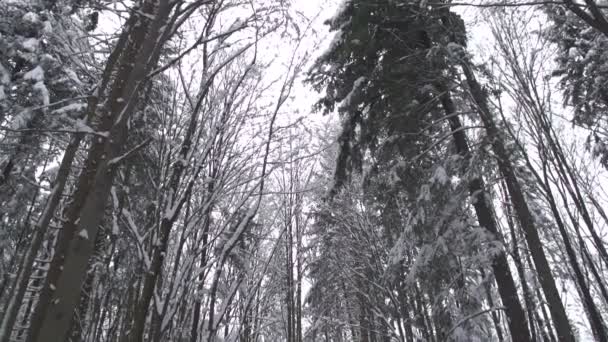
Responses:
[427,140]
[157,182]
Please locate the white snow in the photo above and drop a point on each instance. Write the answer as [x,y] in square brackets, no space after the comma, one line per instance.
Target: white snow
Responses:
[439,176]
[356,85]
[21,120]
[31,17]
[72,75]
[71,108]
[4,76]
[44,92]
[83,234]
[30,44]
[81,126]
[36,74]
[47,28]
[336,40]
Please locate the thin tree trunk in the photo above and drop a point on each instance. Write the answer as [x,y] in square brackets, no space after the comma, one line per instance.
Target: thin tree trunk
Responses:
[594,316]
[528,296]
[205,241]
[545,321]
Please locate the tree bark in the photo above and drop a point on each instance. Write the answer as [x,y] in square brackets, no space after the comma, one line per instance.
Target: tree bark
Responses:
[40,229]
[61,291]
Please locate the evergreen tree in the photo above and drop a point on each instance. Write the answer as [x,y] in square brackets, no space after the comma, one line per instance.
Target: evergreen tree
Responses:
[388,74]
[582,39]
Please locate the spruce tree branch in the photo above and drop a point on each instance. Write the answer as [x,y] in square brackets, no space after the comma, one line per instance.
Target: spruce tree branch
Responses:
[440,140]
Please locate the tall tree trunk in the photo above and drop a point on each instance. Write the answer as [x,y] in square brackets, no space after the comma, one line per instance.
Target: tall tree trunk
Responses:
[528,296]
[556,307]
[138,54]
[40,229]
[494,314]
[299,276]
[289,272]
[593,313]
[516,318]
[201,278]
[544,323]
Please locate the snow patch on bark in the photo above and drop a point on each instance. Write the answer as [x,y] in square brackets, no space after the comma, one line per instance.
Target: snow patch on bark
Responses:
[83,234]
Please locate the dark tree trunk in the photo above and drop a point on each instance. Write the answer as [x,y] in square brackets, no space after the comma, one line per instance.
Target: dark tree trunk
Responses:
[528,296]
[556,307]
[138,53]
[516,318]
